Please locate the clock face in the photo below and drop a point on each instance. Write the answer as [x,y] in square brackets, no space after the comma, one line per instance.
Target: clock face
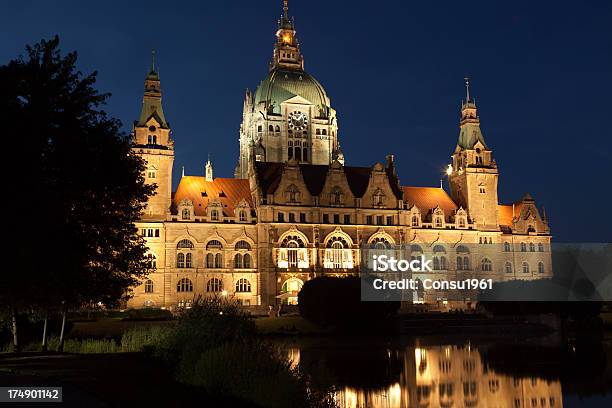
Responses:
[297,120]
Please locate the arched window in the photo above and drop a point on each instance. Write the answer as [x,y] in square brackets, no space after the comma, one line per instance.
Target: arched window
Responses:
[438,221]
[185,214]
[214,285]
[246,261]
[271,128]
[238,261]
[189,260]
[277,129]
[214,215]
[214,244]
[540,267]
[507,247]
[415,221]
[243,286]
[540,247]
[184,244]
[242,215]
[486,265]
[531,247]
[148,286]
[210,260]
[180,260]
[461,222]
[324,131]
[293,252]
[298,153]
[508,267]
[304,154]
[338,254]
[439,260]
[242,244]
[523,247]
[218,261]
[525,267]
[184,285]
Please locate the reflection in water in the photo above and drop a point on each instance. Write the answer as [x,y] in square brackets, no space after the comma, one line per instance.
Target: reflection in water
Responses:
[433,376]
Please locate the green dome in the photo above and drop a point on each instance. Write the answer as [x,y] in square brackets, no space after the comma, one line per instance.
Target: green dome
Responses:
[283,84]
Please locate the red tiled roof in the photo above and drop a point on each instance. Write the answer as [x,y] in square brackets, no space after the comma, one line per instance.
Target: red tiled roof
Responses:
[427,198]
[230,192]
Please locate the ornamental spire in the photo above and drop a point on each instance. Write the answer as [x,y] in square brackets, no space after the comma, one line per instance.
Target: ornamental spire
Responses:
[287,49]
[470,122]
[467,88]
[153,61]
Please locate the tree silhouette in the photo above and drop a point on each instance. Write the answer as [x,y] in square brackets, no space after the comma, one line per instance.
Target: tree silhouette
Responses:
[75,186]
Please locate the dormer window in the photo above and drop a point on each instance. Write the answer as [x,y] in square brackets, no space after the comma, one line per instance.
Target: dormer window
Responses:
[292,195]
[214,215]
[185,210]
[415,221]
[378,198]
[336,196]
[152,140]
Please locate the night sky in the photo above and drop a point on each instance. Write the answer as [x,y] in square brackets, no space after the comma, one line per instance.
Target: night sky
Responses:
[541,74]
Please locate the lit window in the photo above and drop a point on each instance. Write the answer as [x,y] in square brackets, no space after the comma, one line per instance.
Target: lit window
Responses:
[214,215]
[540,267]
[486,265]
[242,216]
[243,286]
[525,267]
[242,244]
[148,287]
[507,247]
[184,285]
[180,260]
[214,285]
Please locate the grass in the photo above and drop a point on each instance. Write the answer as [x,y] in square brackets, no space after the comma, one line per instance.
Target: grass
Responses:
[287,325]
[133,340]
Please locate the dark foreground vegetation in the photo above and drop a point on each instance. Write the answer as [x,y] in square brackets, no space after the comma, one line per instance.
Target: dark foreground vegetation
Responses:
[212,349]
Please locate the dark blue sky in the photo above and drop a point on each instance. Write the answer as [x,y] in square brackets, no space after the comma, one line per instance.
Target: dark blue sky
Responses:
[542,77]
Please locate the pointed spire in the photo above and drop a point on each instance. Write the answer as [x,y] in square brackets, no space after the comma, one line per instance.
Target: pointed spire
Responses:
[153,61]
[183,171]
[285,9]
[209,170]
[467,89]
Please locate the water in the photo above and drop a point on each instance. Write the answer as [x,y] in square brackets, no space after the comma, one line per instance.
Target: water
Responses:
[464,372]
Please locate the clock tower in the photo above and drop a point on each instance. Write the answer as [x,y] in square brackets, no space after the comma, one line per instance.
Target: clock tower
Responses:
[289,116]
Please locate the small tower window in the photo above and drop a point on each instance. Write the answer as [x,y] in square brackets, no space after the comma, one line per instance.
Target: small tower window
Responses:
[152,139]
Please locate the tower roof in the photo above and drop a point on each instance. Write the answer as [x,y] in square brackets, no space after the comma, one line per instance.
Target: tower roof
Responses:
[470,132]
[151,101]
[283,84]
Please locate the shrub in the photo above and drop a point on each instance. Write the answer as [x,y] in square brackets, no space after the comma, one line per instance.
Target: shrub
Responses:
[142,338]
[330,301]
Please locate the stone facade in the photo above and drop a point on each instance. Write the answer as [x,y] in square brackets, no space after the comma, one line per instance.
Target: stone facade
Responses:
[291,214]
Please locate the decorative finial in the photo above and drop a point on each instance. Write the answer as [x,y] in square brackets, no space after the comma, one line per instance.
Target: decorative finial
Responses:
[467,88]
[153,60]
[183,172]
[285,9]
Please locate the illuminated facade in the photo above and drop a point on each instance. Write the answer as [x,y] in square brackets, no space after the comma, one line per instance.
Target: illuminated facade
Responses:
[295,211]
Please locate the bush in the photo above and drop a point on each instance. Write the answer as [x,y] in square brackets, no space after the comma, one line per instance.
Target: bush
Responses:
[336,302]
[144,338]
[252,372]
[215,346]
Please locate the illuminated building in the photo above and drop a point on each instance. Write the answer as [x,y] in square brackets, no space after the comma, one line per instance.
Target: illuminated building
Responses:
[295,210]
